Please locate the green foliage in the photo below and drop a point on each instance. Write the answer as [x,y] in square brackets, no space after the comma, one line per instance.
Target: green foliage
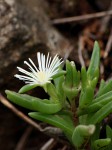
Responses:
[27,88]
[105,88]
[109,135]
[102,144]
[71,85]
[81,134]
[80,120]
[95,61]
[61,120]
[33,103]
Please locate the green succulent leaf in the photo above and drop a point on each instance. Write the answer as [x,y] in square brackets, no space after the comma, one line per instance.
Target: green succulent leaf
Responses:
[69,74]
[100,114]
[106,88]
[109,132]
[81,134]
[95,60]
[86,97]
[97,104]
[94,82]
[62,121]
[70,92]
[76,75]
[60,73]
[102,85]
[86,80]
[27,87]
[83,77]
[109,135]
[102,98]
[102,144]
[72,80]
[58,84]
[96,72]
[51,90]
[33,103]
[95,135]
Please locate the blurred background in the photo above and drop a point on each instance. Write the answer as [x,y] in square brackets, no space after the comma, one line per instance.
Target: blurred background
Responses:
[67,28]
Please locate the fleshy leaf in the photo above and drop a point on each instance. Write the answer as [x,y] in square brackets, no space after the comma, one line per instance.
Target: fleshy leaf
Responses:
[33,103]
[72,80]
[101,144]
[105,89]
[97,104]
[58,84]
[60,73]
[95,60]
[86,97]
[109,132]
[96,135]
[102,85]
[109,135]
[81,134]
[100,114]
[83,77]
[61,121]
[70,92]
[27,87]
[51,90]
[69,75]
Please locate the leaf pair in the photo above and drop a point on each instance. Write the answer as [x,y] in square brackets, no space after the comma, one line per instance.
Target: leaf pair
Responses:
[89,79]
[72,81]
[101,106]
[97,103]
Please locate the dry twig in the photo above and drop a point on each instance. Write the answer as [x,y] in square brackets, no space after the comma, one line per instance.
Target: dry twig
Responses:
[108,46]
[105,20]
[82,17]
[23,139]
[80,48]
[64,147]
[51,131]
[49,144]
[102,69]
[19,113]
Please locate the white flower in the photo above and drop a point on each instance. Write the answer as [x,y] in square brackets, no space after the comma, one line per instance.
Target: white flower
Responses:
[47,68]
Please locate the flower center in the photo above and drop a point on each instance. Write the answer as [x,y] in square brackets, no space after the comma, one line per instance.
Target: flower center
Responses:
[42,76]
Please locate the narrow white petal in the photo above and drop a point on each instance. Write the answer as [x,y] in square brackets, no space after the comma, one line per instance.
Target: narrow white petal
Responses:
[54,62]
[26,72]
[43,62]
[33,65]
[24,77]
[47,61]
[39,61]
[30,67]
[55,65]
